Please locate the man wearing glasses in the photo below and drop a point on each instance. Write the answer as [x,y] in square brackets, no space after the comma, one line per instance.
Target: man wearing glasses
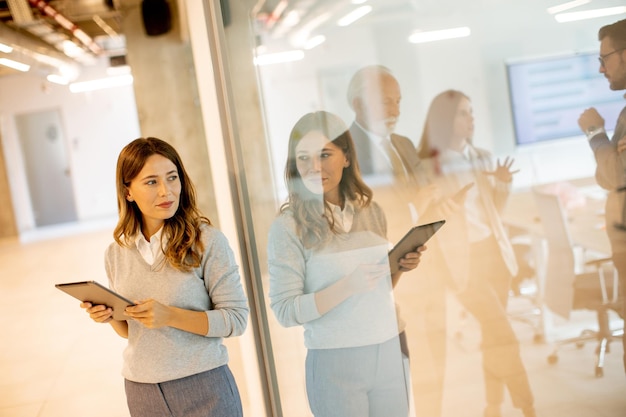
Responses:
[609,153]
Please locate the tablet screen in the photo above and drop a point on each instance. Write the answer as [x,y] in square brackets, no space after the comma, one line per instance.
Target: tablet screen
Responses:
[96,293]
[415,238]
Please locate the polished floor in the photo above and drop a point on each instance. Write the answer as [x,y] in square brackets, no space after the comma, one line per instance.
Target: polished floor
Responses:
[55,362]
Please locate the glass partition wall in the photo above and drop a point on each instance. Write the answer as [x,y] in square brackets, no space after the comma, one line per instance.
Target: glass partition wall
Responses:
[290,58]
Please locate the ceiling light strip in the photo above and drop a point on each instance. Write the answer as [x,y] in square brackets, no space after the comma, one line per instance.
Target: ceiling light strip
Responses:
[567,6]
[279,57]
[354,15]
[589,14]
[314,41]
[57,79]
[439,35]
[14,64]
[5,48]
[102,83]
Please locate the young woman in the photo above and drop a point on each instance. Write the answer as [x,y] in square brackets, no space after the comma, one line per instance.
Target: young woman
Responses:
[329,272]
[474,251]
[181,273]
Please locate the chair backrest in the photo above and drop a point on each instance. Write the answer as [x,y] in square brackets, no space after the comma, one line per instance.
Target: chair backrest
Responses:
[558,288]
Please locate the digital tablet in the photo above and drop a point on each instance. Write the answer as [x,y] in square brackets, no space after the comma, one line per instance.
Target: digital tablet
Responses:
[415,238]
[96,293]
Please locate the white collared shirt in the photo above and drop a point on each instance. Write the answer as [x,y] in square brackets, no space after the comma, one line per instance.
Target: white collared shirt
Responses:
[380,160]
[343,218]
[459,165]
[150,250]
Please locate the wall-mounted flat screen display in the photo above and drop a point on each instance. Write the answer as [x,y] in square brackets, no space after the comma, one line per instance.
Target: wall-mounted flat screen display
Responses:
[548,95]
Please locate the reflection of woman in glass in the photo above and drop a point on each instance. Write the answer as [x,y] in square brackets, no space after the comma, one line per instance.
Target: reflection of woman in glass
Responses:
[329,272]
[474,250]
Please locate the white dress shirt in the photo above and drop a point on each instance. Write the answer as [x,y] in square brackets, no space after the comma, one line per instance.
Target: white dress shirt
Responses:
[150,250]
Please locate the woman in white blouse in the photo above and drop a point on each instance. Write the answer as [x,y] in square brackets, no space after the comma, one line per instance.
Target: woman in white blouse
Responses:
[329,272]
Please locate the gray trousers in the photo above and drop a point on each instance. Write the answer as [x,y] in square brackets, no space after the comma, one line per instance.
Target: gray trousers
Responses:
[486,299]
[358,381]
[212,393]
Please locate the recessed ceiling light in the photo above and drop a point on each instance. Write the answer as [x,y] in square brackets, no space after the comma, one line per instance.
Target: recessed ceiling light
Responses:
[14,64]
[354,15]
[589,14]
[102,83]
[438,35]
[5,48]
[279,57]
[566,6]
[314,41]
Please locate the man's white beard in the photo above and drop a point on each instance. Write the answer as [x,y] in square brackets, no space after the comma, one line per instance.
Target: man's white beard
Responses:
[384,127]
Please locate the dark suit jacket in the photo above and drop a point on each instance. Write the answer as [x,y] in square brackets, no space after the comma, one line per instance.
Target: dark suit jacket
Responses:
[396,198]
[610,176]
[364,149]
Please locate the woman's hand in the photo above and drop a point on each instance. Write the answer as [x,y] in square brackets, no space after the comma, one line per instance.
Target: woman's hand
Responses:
[366,277]
[425,197]
[103,314]
[452,204]
[150,313]
[410,261]
[503,170]
[98,313]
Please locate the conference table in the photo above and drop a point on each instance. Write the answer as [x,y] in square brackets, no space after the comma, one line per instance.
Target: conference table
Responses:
[583,202]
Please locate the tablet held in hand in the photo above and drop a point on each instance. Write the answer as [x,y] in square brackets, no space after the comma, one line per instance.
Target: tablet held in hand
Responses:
[97,294]
[414,238]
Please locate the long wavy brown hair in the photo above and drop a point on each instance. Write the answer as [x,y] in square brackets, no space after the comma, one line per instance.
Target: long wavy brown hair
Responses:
[437,133]
[184,248]
[314,219]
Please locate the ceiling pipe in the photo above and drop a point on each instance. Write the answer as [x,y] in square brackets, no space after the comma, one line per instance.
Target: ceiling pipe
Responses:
[67,24]
[41,56]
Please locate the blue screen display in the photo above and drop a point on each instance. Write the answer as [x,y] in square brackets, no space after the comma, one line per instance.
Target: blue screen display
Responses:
[549,94]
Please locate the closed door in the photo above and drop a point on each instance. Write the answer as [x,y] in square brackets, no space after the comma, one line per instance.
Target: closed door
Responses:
[47,169]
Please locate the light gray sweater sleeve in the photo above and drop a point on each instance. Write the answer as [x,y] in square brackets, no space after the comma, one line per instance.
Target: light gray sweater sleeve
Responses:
[287,271]
[229,315]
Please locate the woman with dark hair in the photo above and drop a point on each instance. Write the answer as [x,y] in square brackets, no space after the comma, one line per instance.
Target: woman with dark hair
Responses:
[182,274]
[329,272]
[474,252]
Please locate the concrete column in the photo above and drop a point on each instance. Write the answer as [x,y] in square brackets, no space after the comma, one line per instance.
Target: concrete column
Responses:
[166,94]
[7,217]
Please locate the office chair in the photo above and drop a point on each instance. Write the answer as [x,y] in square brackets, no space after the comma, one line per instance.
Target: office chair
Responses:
[566,288]
[525,286]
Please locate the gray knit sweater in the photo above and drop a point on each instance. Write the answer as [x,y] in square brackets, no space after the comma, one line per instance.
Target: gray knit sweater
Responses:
[297,273]
[158,355]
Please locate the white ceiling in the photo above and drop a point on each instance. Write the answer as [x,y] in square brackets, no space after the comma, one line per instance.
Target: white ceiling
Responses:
[99,18]
[33,32]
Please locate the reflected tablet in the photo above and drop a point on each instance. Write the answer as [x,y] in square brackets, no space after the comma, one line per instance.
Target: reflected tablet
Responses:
[96,293]
[415,238]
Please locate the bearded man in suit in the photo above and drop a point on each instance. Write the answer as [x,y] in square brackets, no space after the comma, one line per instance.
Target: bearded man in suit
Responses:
[610,153]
